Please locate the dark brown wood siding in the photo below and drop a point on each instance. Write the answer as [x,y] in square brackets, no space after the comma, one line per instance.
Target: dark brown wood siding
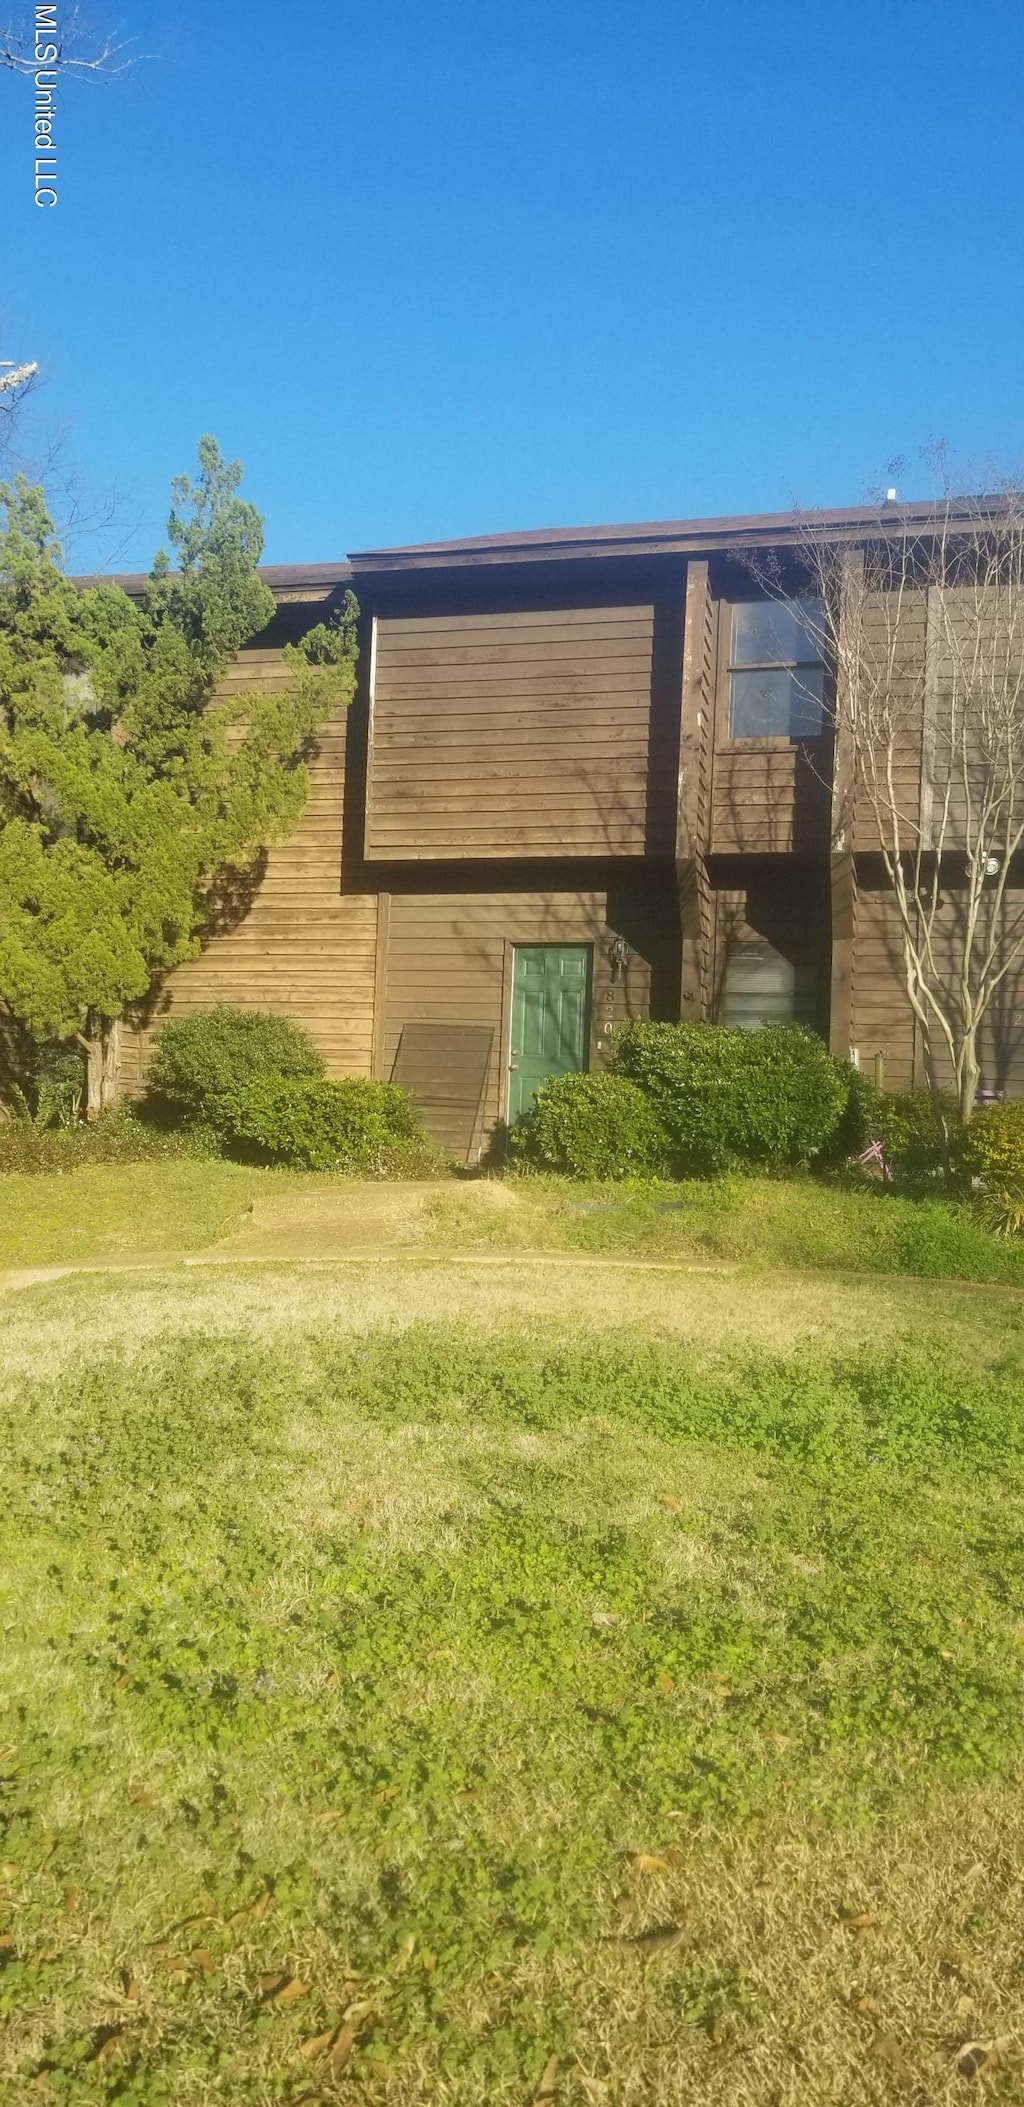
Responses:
[882,1021]
[502,734]
[771,799]
[894,653]
[450,954]
[300,946]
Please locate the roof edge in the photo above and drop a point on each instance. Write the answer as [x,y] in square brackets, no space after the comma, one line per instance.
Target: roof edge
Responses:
[657,537]
[287,581]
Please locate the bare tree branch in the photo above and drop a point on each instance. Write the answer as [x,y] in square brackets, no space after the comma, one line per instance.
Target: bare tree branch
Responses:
[17,376]
[80,54]
[16,385]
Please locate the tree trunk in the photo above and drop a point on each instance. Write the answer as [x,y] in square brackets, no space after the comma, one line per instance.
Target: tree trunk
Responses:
[101,1044]
[940,1111]
[970,1076]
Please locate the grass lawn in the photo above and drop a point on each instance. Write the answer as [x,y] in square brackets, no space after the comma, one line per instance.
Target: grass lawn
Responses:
[777,1222]
[117,1211]
[472,1678]
[149,1210]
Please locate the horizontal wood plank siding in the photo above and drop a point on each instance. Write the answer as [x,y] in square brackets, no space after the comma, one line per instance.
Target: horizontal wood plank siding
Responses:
[882,1021]
[771,801]
[894,653]
[302,947]
[512,734]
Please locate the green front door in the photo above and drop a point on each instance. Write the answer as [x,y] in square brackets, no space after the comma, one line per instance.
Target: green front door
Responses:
[550,1018]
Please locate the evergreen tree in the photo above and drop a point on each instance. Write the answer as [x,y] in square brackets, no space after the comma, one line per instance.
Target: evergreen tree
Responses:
[131,800]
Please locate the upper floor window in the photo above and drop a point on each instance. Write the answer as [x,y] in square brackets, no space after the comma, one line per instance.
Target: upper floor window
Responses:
[776,675]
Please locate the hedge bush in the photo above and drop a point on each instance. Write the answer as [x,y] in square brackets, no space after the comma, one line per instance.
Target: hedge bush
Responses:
[593,1126]
[772,1098]
[116,1137]
[316,1125]
[912,1138]
[200,1064]
[857,1123]
[994,1144]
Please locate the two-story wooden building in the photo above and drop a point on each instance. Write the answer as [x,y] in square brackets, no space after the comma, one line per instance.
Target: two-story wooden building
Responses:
[588,775]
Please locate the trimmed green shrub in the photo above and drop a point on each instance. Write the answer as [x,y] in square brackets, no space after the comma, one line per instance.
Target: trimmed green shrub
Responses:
[200,1064]
[727,1099]
[858,1121]
[994,1144]
[319,1126]
[994,1149]
[593,1126]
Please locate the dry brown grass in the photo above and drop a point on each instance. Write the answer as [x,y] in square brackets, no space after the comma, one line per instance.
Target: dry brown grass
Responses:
[718,1312]
[814,1969]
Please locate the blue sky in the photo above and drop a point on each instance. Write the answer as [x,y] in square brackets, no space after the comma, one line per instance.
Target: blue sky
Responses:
[438,267]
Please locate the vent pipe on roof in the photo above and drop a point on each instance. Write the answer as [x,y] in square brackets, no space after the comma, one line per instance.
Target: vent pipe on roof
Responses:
[890,497]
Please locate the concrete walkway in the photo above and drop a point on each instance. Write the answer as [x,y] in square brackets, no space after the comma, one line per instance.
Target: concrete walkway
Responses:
[419,1259]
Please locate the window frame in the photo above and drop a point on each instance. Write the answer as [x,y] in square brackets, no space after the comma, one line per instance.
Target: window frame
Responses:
[751,742]
[809,999]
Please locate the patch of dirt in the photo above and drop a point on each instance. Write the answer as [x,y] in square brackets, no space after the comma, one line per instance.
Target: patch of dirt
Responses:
[340,1220]
[327,1221]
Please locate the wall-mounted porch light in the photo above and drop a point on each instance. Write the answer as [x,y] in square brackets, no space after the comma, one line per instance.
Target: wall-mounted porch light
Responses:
[619,955]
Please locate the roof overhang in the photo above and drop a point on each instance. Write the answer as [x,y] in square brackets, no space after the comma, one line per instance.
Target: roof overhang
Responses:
[691,537]
[289,582]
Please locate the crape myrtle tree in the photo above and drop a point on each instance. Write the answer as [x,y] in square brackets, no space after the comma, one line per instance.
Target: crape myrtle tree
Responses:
[133,800]
[16,384]
[922,621]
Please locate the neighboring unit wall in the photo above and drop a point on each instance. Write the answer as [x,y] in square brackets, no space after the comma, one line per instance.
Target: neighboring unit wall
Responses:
[883,1021]
[895,645]
[302,947]
[450,958]
[511,734]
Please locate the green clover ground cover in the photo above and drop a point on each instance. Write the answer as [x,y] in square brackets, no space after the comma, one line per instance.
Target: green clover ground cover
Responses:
[343,1678]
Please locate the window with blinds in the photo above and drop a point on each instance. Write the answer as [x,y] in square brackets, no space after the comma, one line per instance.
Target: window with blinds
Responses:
[760,986]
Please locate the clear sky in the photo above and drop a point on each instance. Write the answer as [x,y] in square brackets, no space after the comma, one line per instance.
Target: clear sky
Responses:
[438,267]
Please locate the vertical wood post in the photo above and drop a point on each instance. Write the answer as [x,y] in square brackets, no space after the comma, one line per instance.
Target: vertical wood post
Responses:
[380,985]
